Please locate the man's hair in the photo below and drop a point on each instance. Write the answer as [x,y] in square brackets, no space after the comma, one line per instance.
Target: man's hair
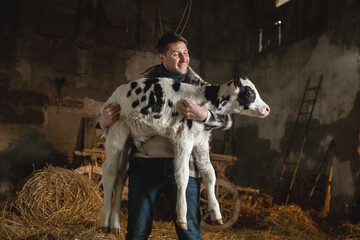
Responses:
[163,43]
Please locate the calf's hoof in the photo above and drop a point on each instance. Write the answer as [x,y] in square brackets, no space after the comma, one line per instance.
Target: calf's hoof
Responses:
[182,225]
[115,231]
[219,222]
[105,229]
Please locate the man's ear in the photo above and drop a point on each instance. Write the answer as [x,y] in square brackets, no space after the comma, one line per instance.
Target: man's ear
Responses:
[161,57]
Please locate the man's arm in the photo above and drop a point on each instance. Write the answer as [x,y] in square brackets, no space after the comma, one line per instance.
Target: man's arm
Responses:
[210,119]
[193,111]
[213,120]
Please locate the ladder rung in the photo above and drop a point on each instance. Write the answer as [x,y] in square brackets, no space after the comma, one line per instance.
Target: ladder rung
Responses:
[286,176]
[302,125]
[302,113]
[313,88]
[294,151]
[290,163]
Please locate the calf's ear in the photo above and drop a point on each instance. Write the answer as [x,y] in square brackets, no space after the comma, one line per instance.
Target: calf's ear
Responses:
[237,81]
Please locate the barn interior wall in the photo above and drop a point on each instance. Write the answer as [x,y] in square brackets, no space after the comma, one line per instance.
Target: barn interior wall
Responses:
[281,75]
[60,60]
[281,78]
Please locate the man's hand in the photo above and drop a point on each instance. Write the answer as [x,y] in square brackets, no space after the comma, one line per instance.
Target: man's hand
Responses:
[109,115]
[193,111]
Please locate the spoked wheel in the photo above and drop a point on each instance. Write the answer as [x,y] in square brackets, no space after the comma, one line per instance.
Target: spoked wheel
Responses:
[229,201]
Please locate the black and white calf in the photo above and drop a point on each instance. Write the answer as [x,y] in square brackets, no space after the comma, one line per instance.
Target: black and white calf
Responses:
[151,106]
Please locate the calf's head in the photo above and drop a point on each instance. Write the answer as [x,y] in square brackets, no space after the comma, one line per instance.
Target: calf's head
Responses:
[248,101]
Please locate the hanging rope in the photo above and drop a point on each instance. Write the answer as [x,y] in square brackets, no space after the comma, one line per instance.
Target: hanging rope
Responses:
[188,10]
[159,16]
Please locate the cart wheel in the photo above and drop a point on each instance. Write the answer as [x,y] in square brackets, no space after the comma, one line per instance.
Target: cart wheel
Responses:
[229,201]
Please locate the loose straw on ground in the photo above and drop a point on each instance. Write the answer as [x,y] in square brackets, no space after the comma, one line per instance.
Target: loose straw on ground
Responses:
[57,203]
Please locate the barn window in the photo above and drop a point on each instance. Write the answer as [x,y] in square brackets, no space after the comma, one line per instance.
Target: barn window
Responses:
[287,21]
[270,35]
[278,25]
[278,3]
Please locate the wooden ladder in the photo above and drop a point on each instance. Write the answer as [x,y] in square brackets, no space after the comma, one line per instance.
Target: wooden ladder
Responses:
[300,131]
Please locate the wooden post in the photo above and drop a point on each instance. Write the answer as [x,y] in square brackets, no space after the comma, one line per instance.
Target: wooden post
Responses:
[326,209]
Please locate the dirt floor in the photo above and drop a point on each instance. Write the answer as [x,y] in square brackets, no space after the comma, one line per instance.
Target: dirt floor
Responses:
[56,203]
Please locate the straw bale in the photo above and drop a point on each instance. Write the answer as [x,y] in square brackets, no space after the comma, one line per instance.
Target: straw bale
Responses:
[57,196]
[54,203]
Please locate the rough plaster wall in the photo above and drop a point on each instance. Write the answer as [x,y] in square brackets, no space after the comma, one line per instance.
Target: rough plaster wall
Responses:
[281,82]
[280,77]
[62,123]
[138,62]
[218,72]
[341,77]
[343,187]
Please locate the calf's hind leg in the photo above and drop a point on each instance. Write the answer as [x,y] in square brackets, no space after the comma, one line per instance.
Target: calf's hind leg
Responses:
[118,189]
[113,168]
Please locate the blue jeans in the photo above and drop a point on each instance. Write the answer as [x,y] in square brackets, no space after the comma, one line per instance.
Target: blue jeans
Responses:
[148,178]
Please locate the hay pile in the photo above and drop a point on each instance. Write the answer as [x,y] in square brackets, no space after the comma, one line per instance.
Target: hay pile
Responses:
[55,203]
[280,221]
[348,231]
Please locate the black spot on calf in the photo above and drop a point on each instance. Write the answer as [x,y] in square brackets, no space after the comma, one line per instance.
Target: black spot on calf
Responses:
[224,100]
[143,98]
[174,114]
[145,110]
[170,103]
[149,82]
[156,101]
[135,103]
[211,94]
[133,85]
[189,123]
[176,86]
[138,90]
[159,94]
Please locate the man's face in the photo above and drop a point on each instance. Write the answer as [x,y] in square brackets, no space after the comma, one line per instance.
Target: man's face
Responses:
[176,59]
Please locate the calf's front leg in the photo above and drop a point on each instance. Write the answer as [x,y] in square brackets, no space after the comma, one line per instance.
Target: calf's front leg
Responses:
[207,172]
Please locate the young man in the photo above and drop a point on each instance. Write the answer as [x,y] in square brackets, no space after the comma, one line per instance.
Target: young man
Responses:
[151,170]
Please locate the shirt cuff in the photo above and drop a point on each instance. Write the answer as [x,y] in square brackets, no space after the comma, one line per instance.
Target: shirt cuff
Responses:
[208,116]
